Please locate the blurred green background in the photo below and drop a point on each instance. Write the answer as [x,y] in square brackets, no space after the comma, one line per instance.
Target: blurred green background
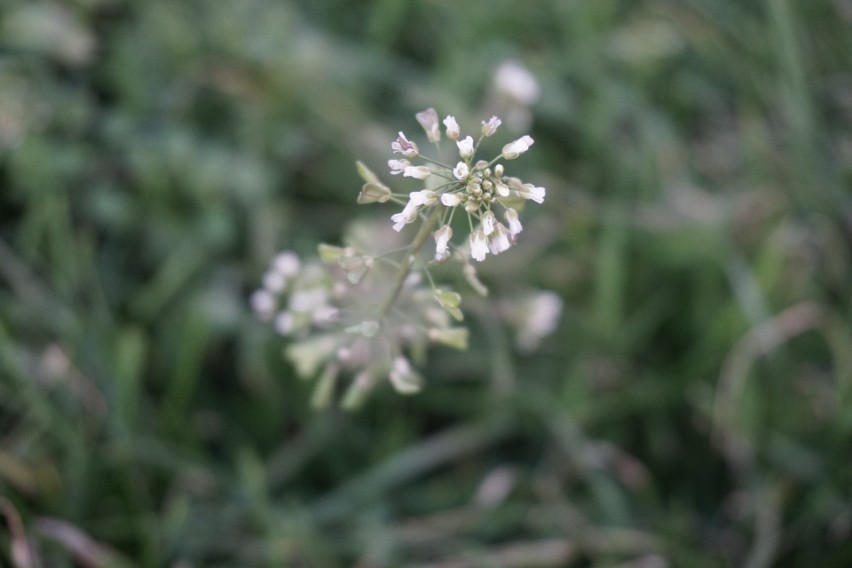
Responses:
[693,409]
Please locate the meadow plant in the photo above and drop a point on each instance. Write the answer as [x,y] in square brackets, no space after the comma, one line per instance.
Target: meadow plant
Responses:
[372,314]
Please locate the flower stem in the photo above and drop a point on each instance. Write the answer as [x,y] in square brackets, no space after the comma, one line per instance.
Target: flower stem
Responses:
[408,260]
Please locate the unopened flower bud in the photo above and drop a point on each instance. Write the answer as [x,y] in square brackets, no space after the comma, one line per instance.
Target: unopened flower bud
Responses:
[403,378]
[450,301]
[456,337]
[372,193]
[470,275]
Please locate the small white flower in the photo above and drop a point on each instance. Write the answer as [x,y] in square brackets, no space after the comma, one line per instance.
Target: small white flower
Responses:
[498,170]
[516,82]
[284,323]
[465,147]
[529,191]
[478,245]
[442,242]
[263,303]
[404,146]
[325,315]
[499,240]
[274,281]
[451,199]
[287,264]
[514,149]
[403,378]
[515,226]
[461,170]
[538,317]
[470,275]
[452,127]
[423,197]
[419,172]
[398,166]
[502,189]
[488,220]
[428,119]
[306,301]
[490,127]
[408,215]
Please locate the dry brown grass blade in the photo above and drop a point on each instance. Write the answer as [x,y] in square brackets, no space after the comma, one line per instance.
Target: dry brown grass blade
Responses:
[22,553]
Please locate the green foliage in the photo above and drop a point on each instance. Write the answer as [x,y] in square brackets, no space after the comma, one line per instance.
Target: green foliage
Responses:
[695,405]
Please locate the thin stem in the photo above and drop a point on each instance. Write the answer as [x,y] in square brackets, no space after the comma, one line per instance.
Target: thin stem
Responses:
[436,162]
[408,260]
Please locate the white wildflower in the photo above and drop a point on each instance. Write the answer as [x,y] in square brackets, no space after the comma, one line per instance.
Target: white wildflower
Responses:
[499,241]
[406,216]
[419,172]
[461,171]
[398,166]
[306,301]
[465,147]
[516,82]
[284,323]
[404,146]
[263,303]
[490,127]
[274,281]
[529,191]
[325,315]
[478,245]
[488,220]
[539,315]
[403,378]
[428,119]
[442,242]
[287,264]
[518,147]
[515,226]
[452,127]
[423,197]
[451,199]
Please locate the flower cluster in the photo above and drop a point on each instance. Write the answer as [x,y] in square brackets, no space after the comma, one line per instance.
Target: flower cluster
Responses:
[369,314]
[331,310]
[480,187]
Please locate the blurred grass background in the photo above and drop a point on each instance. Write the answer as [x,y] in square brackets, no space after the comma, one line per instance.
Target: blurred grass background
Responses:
[693,409]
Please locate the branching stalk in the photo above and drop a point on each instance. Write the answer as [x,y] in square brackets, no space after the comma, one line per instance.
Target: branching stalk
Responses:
[408,260]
